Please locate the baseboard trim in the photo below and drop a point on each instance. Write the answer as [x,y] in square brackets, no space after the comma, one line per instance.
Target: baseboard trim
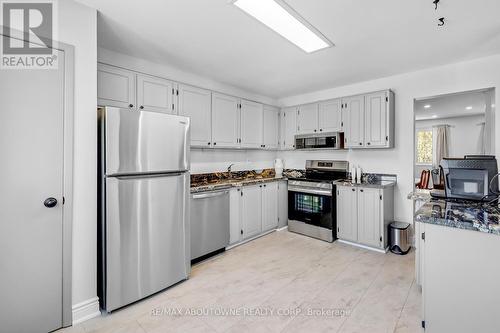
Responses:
[282,228]
[232,246]
[362,246]
[86,310]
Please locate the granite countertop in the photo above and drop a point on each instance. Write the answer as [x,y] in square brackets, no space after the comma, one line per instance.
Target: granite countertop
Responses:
[467,215]
[419,195]
[223,180]
[375,184]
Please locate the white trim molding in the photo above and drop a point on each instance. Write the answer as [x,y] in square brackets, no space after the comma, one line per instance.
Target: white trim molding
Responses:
[86,310]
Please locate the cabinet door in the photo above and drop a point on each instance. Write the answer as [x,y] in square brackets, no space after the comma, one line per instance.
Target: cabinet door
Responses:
[369,217]
[115,87]
[251,124]
[376,119]
[251,211]
[155,94]
[269,206]
[270,128]
[289,127]
[282,204]
[307,119]
[225,121]
[354,111]
[330,116]
[196,104]
[235,229]
[347,224]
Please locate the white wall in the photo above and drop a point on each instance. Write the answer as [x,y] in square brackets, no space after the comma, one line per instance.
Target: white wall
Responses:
[78,27]
[471,75]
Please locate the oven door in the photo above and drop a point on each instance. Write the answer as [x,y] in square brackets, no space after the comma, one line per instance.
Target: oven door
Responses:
[311,205]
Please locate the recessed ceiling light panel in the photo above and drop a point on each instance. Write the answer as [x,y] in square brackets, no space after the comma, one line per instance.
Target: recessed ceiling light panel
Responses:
[469,108]
[281,18]
[427,106]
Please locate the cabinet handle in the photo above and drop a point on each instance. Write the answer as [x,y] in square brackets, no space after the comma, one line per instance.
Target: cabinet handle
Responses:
[215,143]
[353,189]
[368,143]
[360,143]
[321,130]
[208,143]
[241,231]
[314,130]
[131,105]
[361,190]
[141,107]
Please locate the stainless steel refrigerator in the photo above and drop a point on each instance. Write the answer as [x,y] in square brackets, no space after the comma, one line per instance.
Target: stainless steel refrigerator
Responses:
[144,204]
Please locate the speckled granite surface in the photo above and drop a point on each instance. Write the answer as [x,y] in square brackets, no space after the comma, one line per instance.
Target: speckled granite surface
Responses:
[222,180]
[461,214]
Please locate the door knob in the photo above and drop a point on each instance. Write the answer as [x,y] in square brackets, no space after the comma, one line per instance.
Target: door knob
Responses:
[50,202]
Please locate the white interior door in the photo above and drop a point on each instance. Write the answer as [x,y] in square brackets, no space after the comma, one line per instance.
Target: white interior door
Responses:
[251,124]
[225,121]
[369,217]
[196,104]
[330,116]
[307,119]
[31,171]
[115,87]
[354,111]
[376,119]
[155,94]
[271,128]
[347,222]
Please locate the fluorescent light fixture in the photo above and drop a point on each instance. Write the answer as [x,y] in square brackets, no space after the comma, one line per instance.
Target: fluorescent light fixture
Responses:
[434,116]
[468,108]
[280,17]
[428,106]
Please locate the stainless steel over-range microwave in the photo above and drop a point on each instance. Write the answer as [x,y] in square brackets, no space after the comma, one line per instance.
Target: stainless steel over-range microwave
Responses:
[332,140]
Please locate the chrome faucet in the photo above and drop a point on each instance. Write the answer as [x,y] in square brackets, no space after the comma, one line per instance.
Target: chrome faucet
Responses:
[229,167]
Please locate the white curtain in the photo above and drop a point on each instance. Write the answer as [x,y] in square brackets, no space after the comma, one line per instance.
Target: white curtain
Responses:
[442,145]
[481,142]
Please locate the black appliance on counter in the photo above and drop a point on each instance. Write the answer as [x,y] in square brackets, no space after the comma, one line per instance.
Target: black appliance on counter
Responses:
[312,201]
[469,178]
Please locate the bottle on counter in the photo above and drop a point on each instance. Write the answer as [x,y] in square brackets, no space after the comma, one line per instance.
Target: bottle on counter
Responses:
[353,173]
[278,167]
[359,174]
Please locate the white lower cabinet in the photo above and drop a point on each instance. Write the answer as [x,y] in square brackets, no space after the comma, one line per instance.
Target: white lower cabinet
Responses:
[269,206]
[282,203]
[254,209]
[251,211]
[363,215]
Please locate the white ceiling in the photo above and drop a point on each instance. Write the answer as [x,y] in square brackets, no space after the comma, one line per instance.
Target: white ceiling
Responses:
[372,39]
[454,105]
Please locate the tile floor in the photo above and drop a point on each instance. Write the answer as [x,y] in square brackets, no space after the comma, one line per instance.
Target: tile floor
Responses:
[305,285]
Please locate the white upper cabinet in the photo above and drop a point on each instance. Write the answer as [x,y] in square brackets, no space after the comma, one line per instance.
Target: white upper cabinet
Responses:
[155,94]
[196,104]
[307,119]
[370,216]
[355,114]
[270,138]
[251,124]
[288,127]
[115,87]
[377,119]
[225,121]
[330,116]
[269,206]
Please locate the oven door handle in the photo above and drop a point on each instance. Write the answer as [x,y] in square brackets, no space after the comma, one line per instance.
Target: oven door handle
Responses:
[309,190]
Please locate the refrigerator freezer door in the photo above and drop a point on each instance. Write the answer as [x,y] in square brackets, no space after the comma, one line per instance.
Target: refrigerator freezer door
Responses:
[145,142]
[147,236]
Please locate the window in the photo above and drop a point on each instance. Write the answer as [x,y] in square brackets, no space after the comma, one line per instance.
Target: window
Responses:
[424,146]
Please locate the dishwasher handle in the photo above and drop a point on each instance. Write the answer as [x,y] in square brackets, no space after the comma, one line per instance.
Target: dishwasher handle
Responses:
[210,195]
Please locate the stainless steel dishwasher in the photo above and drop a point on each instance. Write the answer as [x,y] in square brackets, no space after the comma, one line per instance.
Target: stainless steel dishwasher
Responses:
[209,222]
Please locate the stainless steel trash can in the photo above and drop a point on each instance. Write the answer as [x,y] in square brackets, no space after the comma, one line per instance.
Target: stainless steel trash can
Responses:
[399,236]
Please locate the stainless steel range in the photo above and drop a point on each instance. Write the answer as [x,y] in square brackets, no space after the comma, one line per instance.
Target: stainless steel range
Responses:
[312,199]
